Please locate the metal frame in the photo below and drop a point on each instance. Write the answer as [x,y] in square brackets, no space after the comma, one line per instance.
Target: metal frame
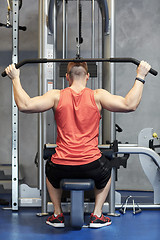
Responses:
[43,34]
[15,122]
[112,114]
[42,117]
[42,88]
[65,34]
[93,39]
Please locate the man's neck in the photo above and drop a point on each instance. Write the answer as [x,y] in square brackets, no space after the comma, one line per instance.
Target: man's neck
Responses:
[78,86]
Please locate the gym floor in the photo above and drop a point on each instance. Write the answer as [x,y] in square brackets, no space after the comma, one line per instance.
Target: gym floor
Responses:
[25,225]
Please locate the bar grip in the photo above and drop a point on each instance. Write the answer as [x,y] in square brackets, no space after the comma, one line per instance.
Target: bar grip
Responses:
[4,74]
[152,71]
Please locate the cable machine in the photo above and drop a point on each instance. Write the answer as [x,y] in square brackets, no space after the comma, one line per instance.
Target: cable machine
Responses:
[49,77]
[102,34]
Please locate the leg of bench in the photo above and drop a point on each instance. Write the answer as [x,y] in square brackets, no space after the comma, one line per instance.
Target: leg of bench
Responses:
[77,209]
[77,188]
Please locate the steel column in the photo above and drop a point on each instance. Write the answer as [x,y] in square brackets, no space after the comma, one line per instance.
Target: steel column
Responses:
[78,30]
[112,66]
[64,35]
[112,116]
[40,142]
[15,119]
[42,90]
[93,29]
[93,38]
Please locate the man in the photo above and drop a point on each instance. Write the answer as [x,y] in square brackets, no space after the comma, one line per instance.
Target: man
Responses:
[77,112]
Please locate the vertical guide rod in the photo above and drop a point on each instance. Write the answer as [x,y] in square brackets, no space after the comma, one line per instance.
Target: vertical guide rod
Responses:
[43,41]
[42,139]
[99,70]
[78,30]
[113,132]
[66,28]
[54,56]
[93,29]
[93,38]
[112,66]
[64,35]
[15,122]
[40,143]
[54,46]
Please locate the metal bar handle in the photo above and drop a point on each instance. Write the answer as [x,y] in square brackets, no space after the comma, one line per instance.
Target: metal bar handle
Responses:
[115,60]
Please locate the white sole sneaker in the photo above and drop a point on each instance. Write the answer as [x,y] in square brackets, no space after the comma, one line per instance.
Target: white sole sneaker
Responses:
[99,225]
[57,225]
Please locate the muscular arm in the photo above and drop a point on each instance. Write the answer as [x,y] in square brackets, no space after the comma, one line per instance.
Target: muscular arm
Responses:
[131,101]
[23,100]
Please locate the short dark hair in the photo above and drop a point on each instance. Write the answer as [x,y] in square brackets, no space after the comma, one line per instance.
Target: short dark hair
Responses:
[77,64]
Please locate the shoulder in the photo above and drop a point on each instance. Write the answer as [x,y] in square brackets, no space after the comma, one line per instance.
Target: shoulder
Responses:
[53,96]
[97,97]
[102,97]
[53,93]
[56,93]
[99,93]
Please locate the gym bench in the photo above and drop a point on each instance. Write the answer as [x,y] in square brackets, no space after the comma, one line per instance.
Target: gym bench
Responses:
[77,188]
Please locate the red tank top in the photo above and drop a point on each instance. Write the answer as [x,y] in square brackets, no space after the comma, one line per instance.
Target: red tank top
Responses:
[77,118]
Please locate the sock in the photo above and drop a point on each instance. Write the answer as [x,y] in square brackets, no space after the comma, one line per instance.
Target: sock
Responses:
[98,215]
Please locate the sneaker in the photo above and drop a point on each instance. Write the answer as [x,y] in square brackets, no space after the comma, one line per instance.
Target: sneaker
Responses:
[97,222]
[56,221]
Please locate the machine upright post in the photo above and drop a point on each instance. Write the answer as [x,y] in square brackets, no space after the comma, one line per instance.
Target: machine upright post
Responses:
[78,30]
[44,35]
[15,119]
[40,141]
[55,50]
[64,35]
[93,38]
[42,90]
[112,120]
[54,56]
[112,66]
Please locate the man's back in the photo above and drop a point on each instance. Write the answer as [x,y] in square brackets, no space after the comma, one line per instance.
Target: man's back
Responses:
[77,118]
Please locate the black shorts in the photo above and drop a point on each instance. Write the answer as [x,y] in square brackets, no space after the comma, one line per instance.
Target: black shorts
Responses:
[98,170]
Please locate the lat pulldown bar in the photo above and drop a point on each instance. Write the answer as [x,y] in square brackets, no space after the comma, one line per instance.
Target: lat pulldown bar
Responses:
[113,60]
